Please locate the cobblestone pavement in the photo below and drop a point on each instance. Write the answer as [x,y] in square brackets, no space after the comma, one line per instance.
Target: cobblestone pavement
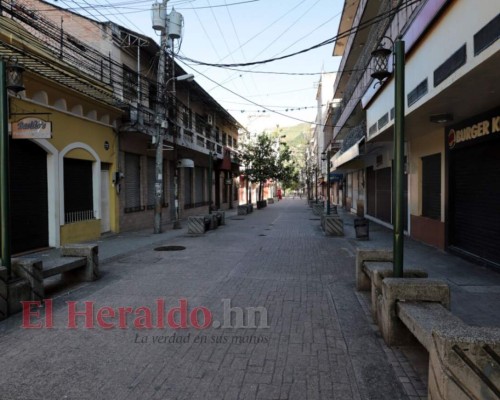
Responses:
[319,343]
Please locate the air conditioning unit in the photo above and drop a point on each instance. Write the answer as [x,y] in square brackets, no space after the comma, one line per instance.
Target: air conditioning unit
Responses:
[210,120]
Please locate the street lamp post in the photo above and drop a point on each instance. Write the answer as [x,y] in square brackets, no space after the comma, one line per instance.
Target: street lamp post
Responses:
[325,156]
[210,179]
[381,57]
[316,183]
[10,79]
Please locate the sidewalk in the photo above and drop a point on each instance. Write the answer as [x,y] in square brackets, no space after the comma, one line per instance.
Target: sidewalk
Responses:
[475,289]
[313,337]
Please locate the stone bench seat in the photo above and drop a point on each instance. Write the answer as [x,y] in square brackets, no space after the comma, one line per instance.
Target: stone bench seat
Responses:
[421,318]
[77,262]
[61,265]
[376,271]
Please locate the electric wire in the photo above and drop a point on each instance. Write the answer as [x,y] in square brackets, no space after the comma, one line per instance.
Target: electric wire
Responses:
[331,40]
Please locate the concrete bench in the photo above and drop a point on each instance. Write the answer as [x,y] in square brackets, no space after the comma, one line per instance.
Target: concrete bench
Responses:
[363,280]
[377,271]
[421,318]
[464,361]
[78,262]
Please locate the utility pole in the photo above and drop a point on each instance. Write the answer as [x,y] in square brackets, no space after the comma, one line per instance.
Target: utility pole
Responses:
[160,120]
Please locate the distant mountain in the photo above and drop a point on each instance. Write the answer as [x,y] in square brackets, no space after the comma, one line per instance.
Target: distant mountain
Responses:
[295,136]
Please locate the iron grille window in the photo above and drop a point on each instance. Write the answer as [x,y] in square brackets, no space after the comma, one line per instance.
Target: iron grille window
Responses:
[78,190]
[129,83]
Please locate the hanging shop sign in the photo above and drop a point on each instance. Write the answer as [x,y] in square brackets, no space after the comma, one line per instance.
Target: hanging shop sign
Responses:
[31,128]
[477,129]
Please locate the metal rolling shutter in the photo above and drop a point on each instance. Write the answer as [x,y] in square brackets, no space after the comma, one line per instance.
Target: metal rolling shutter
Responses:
[474,200]
[28,196]
[370,191]
[199,188]
[188,186]
[431,186]
[151,182]
[132,182]
[383,194]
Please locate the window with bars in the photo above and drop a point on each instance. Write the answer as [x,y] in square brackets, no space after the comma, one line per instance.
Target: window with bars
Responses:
[78,190]
[129,83]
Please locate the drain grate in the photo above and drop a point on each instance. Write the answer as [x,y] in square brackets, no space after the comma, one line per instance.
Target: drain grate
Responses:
[314,219]
[238,219]
[262,234]
[170,248]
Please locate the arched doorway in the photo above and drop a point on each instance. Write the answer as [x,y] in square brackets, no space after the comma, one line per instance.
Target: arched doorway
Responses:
[28,196]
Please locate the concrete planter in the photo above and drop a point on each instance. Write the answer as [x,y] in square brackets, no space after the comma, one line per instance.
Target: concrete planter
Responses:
[261,204]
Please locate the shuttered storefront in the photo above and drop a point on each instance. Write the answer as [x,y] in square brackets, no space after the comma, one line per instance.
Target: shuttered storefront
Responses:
[474,192]
[151,182]
[28,196]
[431,186]
[199,188]
[379,195]
[188,187]
[132,183]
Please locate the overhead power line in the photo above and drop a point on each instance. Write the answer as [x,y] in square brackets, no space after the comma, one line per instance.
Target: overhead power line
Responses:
[331,40]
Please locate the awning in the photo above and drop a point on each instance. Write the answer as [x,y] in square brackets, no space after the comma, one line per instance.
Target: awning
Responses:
[350,159]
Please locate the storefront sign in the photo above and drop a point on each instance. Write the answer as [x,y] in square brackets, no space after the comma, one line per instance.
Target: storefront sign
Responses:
[336,177]
[31,128]
[473,130]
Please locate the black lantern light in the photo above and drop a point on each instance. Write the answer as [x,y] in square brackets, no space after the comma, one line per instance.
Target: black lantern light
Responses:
[381,59]
[14,76]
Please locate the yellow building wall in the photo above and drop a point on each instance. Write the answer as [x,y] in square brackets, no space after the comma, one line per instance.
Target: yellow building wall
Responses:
[67,129]
[82,231]
[423,144]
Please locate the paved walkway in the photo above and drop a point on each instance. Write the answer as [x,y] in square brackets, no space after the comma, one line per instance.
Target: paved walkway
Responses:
[319,343]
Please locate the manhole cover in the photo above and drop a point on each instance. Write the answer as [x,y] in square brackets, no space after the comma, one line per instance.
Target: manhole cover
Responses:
[262,234]
[170,248]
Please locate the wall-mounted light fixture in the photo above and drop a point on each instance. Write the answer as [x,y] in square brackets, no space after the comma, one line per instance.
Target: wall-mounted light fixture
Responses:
[14,76]
[441,118]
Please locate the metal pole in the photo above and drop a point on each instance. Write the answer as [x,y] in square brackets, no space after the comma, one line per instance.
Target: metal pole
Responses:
[4,174]
[210,179]
[328,182]
[177,222]
[160,112]
[316,182]
[398,173]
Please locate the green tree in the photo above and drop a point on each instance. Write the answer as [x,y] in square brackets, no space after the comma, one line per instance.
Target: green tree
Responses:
[259,160]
